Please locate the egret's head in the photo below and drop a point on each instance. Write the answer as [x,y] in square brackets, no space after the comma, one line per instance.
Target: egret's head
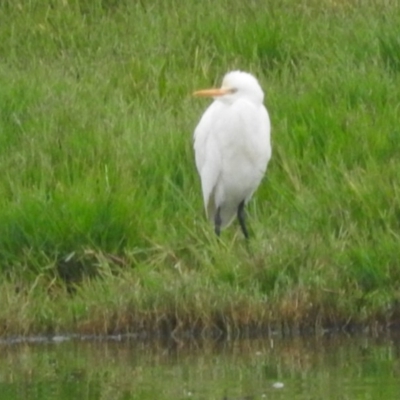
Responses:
[235,85]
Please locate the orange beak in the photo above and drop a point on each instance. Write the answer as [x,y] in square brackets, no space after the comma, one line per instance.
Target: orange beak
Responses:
[212,92]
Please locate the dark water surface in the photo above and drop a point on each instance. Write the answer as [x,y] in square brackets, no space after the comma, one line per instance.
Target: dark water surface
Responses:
[334,367]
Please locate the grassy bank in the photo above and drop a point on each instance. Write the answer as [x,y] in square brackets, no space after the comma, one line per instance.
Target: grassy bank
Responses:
[101,221]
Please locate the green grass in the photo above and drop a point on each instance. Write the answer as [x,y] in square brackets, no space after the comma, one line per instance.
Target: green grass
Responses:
[101,222]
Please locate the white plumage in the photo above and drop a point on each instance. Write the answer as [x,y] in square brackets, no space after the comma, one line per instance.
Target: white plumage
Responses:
[232,147]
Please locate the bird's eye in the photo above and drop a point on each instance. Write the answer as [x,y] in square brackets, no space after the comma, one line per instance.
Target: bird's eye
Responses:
[233,90]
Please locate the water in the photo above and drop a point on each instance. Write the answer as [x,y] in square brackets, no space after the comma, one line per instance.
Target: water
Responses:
[309,368]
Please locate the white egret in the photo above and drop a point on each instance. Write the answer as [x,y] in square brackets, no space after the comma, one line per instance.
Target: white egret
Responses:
[232,147]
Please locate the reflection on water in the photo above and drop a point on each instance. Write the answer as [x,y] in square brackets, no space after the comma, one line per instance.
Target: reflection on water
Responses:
[300,368]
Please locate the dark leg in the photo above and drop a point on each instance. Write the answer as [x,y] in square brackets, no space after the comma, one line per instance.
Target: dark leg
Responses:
[218,221]
[241,218]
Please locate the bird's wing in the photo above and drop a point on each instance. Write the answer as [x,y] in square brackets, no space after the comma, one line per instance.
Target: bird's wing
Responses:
[207,154]
[243,136]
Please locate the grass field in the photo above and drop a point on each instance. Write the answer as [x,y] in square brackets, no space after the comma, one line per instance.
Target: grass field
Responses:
[102,226]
